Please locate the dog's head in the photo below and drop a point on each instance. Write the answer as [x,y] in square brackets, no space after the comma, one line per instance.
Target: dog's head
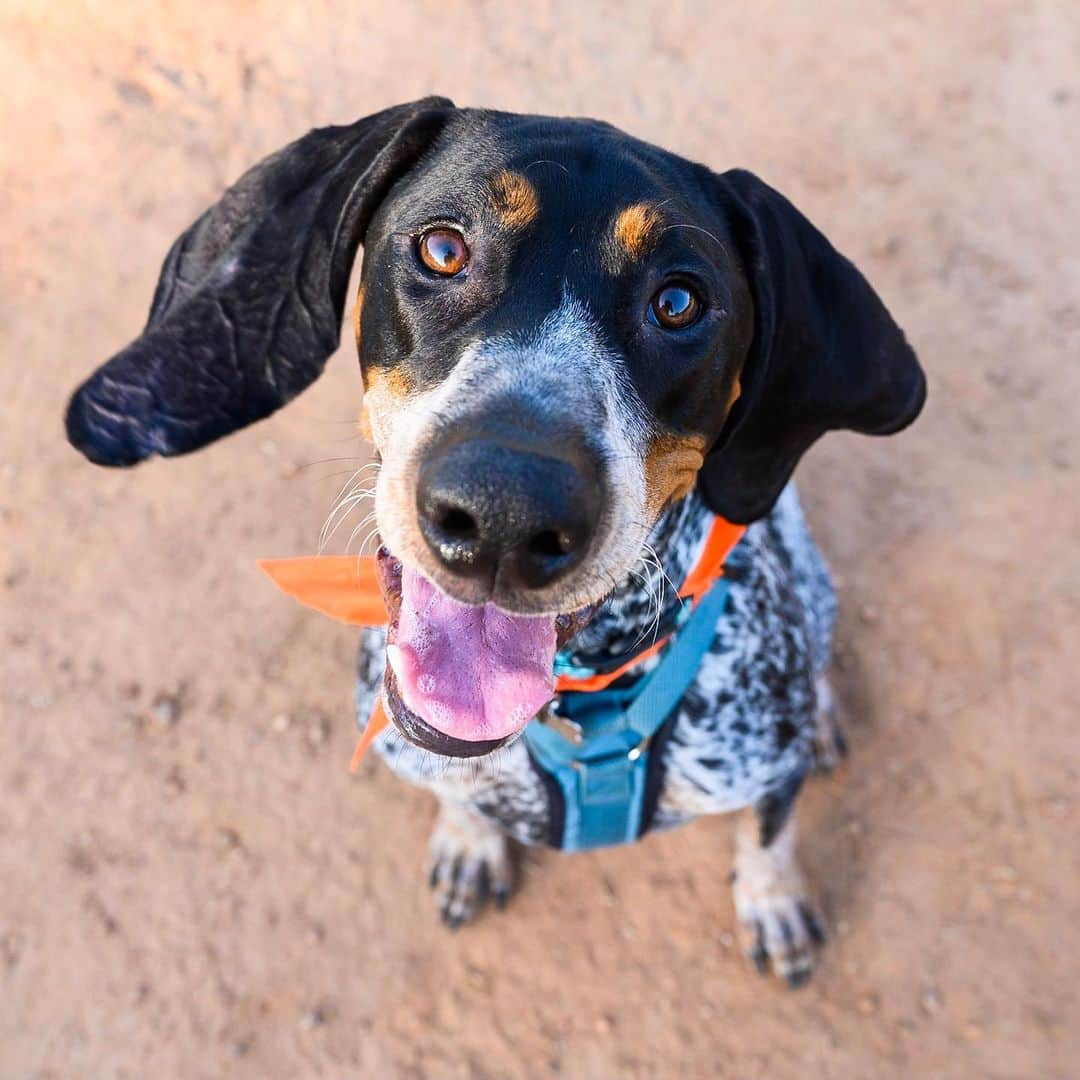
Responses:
[561,331]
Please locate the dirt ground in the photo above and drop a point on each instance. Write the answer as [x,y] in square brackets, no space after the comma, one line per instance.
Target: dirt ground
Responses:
[191,885]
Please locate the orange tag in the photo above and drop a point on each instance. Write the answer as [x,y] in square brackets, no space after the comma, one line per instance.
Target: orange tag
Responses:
[375,724]
[342,586]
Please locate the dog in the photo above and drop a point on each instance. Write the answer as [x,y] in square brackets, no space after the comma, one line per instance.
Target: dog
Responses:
[577,350]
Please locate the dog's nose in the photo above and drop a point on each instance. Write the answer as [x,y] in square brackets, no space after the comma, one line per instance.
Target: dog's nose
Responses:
[487,509]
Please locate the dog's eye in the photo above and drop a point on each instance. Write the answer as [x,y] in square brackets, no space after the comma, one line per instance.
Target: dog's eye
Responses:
[443,251]
[675,306]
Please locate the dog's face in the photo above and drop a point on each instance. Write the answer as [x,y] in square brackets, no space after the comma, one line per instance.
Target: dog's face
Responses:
[561,329]
[550,335]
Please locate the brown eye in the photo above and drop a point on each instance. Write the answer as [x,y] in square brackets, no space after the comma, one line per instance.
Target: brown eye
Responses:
[674,307]
[444,251]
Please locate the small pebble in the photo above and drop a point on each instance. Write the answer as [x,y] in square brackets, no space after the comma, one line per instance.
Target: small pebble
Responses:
[134,93]
[313,1018]
[604,1025]
[611,896]
[229,839]
[931,1000]
[727,939]
[280,723]
[166,709]
[868,1004]
[319,732]
[868,613]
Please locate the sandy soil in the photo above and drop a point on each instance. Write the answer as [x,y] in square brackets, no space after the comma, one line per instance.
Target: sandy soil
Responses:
[190,883]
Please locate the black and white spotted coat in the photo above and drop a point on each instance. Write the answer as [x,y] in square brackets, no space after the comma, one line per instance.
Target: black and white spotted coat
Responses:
[743,731]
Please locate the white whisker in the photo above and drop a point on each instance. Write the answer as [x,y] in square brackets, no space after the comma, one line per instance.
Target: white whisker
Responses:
[352,493]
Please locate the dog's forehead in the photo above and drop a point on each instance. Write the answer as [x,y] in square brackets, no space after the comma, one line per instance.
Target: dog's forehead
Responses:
[570,168]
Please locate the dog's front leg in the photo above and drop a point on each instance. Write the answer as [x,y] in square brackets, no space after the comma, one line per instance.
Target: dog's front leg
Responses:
[778,926]
[470,863]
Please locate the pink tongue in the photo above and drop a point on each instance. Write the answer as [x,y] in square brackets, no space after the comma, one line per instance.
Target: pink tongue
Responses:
[474,673]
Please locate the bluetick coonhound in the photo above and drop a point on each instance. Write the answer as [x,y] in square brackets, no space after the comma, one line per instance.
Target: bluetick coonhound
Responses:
[576,349]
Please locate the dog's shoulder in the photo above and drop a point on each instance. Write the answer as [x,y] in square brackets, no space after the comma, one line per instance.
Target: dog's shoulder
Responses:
[746,725]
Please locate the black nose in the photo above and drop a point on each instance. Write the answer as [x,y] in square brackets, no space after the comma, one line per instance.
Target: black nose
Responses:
[487,510]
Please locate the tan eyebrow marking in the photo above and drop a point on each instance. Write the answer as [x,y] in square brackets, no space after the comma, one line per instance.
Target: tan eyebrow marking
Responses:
[637,229]
[513,199]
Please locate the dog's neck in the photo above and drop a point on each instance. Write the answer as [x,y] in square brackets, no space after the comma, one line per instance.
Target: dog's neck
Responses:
[628,619]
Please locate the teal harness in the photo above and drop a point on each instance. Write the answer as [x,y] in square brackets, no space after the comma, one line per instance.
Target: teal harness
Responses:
[596,748]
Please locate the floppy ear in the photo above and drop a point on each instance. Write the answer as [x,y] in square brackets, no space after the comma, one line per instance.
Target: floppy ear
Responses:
[826,353]
[250,299]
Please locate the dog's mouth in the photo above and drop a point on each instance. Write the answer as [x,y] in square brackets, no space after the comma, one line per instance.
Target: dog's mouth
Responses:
[460,680]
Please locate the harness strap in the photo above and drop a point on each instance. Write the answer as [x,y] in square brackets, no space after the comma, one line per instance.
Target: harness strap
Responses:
[668,682]
[602,776]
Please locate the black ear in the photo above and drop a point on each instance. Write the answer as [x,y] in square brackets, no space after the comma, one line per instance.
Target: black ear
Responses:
[825,355]
[250,299]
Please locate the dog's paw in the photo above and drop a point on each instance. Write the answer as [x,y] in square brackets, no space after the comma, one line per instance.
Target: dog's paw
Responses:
[829,747]
[779,929]
[470,864]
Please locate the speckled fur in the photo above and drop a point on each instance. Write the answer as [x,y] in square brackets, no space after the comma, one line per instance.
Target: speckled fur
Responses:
[743,731]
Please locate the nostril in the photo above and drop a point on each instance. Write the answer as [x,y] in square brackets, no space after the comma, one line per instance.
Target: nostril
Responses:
[457,523]
[551,543]
[507,517]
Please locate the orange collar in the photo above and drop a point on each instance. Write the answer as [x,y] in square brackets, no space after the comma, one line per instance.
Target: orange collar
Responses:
[346,588]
